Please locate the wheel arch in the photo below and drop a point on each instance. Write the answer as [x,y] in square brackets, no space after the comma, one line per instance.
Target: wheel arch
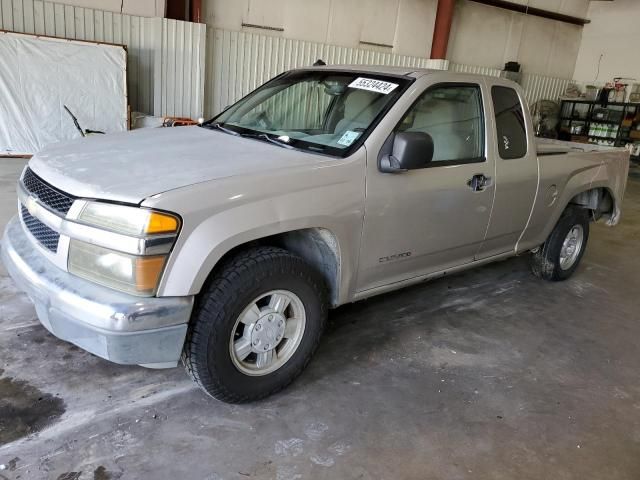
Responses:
[318,246]
[600,201]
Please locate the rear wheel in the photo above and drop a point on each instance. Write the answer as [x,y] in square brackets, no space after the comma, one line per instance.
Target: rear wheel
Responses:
[255,325]
[561,253]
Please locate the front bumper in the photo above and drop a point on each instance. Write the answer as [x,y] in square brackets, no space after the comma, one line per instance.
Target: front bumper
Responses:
[116,326]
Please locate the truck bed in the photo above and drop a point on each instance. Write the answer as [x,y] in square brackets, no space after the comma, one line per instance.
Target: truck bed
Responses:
[578,167]
[547,146]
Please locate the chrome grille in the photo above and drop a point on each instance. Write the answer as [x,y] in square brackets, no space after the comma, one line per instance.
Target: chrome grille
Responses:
[48,195]
[48,238]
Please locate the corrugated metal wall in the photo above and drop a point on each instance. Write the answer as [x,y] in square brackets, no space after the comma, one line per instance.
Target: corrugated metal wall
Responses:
[238,62]
[536,87]
[154,45]
[539,87]
[166,67]
[242,61]
[180,69]
[474,69]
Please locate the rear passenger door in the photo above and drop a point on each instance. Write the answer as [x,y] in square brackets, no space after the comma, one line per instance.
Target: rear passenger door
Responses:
[516,169]
[427,220]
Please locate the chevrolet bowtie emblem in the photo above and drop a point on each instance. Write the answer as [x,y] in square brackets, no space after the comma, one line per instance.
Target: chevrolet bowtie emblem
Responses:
[31,205]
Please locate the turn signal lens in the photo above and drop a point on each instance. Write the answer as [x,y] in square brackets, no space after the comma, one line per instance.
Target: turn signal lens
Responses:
[161,223]
[148,270]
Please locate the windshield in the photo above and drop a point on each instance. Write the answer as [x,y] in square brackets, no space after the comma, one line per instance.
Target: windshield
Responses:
[327,112]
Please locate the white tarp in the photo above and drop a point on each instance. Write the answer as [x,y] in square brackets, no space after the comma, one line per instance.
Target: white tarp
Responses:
[39,75]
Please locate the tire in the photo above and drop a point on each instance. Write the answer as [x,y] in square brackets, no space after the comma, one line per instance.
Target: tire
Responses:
[547,262]
[268,274]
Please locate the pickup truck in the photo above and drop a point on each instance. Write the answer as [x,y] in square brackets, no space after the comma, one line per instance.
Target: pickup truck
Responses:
[224,245]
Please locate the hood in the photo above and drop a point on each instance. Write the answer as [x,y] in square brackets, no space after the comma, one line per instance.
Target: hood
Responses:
[131,166]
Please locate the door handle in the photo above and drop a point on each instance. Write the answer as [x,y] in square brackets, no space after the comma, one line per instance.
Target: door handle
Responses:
[478,182]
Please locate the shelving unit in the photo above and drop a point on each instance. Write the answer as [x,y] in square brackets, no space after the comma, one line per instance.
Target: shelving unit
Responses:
[588,121]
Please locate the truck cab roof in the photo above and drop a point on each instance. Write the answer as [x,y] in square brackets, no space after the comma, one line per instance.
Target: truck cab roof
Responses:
[380,69]
[411,72]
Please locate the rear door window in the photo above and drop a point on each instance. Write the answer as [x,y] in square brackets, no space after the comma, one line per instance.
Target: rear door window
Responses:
[510,124]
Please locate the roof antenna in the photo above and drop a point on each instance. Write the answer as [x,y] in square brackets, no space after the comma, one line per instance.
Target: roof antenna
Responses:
[319,63]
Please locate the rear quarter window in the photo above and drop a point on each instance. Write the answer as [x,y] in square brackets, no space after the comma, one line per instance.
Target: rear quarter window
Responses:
[510,123]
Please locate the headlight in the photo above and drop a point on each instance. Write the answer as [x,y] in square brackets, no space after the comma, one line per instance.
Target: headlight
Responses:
[133,221]
[127,273]
[106,264]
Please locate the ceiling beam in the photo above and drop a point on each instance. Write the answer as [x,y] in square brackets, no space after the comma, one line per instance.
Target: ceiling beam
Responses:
[537,12]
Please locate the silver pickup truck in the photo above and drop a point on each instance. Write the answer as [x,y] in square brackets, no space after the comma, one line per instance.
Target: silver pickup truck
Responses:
[225,244]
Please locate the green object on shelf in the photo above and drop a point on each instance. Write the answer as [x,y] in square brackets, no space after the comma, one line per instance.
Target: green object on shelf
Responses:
[598,122]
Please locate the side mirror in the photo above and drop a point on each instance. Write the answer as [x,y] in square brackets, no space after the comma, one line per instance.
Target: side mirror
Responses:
[410,151]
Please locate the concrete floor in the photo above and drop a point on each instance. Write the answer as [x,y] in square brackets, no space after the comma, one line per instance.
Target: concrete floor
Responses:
[490,374]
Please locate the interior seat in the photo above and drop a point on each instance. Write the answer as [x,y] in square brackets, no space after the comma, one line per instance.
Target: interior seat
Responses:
[360,108]
[450,127]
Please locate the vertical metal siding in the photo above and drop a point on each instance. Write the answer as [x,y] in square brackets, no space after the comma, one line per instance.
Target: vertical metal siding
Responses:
[150,42]
[539,87]
[536,87]
[180,69]
[238,62]
[474,69]
[169,73]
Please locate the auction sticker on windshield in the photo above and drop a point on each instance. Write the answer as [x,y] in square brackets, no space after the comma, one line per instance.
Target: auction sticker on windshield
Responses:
[348,137]
[373,85]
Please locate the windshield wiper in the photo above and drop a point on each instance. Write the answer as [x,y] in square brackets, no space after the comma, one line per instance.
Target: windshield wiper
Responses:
[219,126]
[275,141]
[84,132]
[280,141]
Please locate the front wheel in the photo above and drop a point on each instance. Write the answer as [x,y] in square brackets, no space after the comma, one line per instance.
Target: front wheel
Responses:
[255,325]
[561,253]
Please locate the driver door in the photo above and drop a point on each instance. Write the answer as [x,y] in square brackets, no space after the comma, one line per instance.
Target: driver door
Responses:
[427,220]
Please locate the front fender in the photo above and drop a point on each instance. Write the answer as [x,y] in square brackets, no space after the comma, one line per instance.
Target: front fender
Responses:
[217,236]
[222,215]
